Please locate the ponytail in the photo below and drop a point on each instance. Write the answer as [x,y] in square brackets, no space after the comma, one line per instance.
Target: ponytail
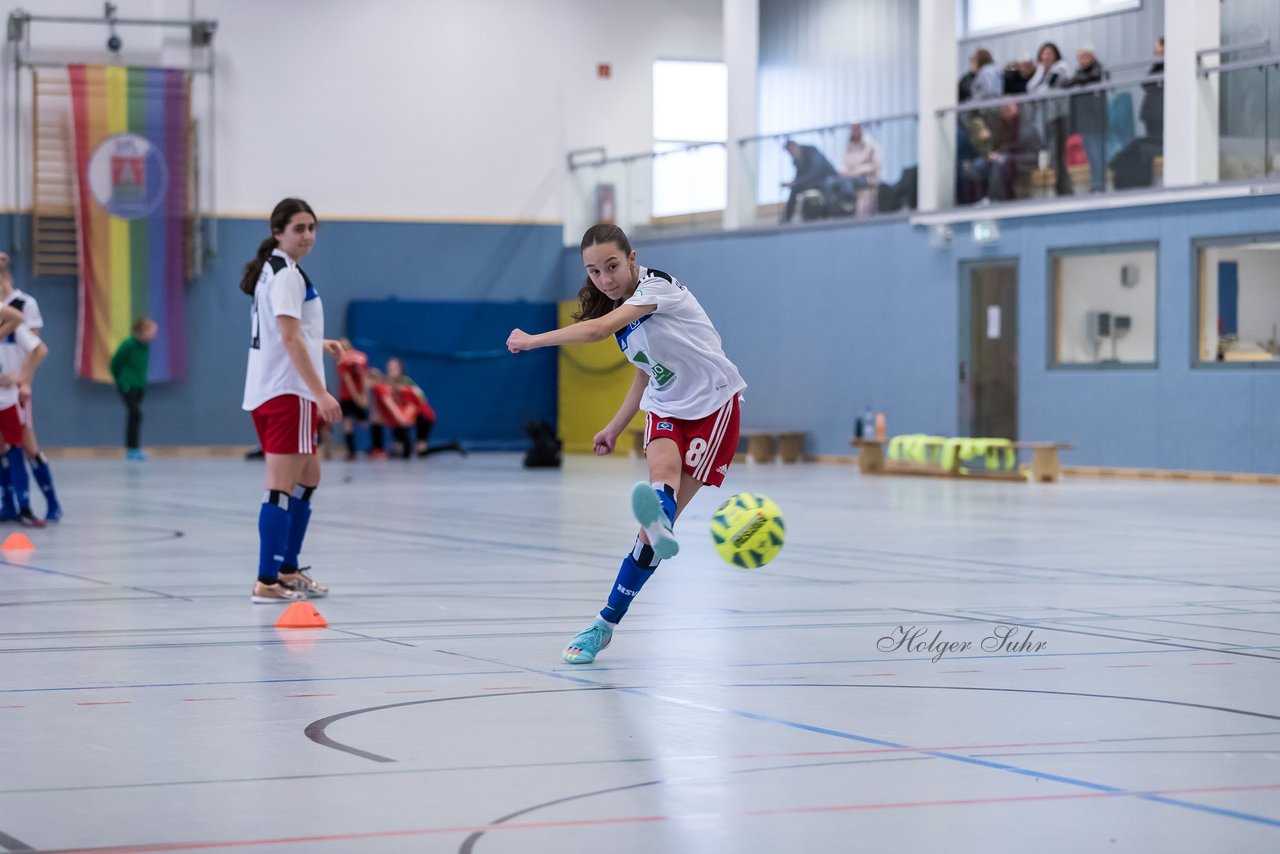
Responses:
[280,218]
[253,270]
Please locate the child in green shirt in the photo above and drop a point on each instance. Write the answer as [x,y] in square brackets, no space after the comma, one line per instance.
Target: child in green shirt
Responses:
[129,368]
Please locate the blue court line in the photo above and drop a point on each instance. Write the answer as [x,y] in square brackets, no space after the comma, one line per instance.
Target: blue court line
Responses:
[970,760]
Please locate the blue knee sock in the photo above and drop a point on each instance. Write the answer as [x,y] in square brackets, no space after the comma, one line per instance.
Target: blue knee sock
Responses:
[8,510]
[21,484]
[273,534]
[667,495]
[636,569]
[299,516]
[44,477]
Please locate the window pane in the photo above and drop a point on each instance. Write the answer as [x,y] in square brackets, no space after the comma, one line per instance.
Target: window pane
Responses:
[992,14]
[1105,307]
[1055,10]
[690,101]
[1239,303]
[689,181]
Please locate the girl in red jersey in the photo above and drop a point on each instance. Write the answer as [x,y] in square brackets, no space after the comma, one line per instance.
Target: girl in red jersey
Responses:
[388,410]
[413,401]
[683,380]
[353,393]
[284,389]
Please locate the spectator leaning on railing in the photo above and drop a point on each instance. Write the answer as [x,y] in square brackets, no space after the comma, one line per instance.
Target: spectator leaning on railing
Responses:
[860,170]
[812,172]
[1089,115]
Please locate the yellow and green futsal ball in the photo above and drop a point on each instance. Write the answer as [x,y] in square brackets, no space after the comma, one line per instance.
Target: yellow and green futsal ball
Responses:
[748,530]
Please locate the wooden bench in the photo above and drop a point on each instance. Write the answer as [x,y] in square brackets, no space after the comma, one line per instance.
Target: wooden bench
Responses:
[1044,468]
[762,445]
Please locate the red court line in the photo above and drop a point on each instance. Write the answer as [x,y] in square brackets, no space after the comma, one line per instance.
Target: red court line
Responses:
[311,695]
[12,707]
[1073,796]
[106,703]
[868,675]
[544,825]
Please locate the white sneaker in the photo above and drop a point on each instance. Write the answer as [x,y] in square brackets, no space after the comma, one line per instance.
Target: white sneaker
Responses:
[647,508]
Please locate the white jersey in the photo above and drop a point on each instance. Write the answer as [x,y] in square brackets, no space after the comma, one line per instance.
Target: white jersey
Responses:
[689,375]
[283,290]
[13,355]
[26,303]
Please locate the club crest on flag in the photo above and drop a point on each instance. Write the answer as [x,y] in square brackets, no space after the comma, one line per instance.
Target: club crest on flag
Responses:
[127,176]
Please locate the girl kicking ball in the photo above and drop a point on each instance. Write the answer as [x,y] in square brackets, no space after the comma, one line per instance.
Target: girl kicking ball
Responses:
[684,382]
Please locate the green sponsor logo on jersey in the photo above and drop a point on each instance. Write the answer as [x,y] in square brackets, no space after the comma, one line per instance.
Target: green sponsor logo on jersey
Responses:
[661,373]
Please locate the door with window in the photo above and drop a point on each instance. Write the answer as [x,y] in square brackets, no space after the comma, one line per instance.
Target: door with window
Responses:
[988,374]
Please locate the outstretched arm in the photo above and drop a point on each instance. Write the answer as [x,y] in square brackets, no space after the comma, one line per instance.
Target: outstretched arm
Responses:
[605,441]
[585,332]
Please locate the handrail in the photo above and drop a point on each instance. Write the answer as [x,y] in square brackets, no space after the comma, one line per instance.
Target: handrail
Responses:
[896,117]
[1262,62]
[1233,48]
[628,158]
[1048,95]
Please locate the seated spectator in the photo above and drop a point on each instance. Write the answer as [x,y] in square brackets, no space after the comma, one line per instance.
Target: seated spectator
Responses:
[1016,150]
[812,172]
[1052,73]
[859,177]
[1089,115]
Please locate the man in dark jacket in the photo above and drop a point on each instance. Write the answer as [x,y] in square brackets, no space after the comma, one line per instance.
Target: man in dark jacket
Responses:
[1089,115]
[812,172]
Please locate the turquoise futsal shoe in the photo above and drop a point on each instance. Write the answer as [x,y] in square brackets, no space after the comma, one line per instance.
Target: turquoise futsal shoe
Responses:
[587,645]
[647,508]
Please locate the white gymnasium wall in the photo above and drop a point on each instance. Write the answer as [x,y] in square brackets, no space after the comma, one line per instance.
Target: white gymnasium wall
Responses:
[434,109]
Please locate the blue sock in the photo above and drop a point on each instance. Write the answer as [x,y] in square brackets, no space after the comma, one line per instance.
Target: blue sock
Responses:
[299,516]
[636,569]
[44,477]
[667,495]
[273,534]
[18,477]
[8,510]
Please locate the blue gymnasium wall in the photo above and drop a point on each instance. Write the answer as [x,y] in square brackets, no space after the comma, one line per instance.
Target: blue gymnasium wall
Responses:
[456,351]
[352,261]
[823,321]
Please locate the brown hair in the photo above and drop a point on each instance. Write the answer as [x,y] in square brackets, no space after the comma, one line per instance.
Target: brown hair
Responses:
[279,221]
[140,324]
[592,302]
[982,57]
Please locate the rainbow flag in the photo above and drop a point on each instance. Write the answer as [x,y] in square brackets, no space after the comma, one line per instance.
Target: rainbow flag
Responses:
[131,153]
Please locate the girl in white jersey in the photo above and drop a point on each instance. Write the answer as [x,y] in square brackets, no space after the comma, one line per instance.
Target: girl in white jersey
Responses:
[284,389]
[683,380]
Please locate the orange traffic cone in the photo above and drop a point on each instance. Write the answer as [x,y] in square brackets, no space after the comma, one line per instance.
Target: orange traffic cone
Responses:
[300,615]
[17,543]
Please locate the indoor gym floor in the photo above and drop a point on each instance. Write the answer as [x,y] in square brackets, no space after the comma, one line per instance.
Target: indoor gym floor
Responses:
[146,705]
